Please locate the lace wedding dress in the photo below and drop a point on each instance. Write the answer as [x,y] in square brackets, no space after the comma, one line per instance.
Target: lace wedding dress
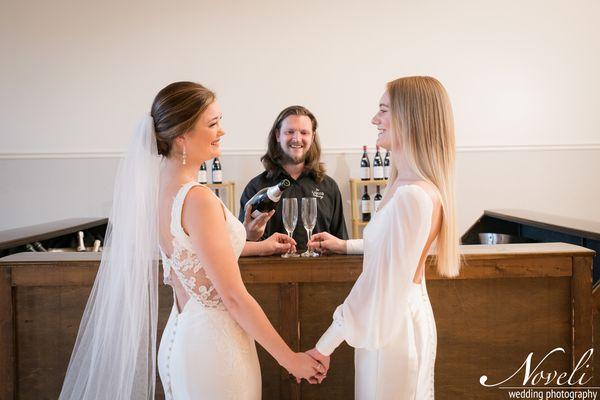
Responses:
[386,317]
[203,353]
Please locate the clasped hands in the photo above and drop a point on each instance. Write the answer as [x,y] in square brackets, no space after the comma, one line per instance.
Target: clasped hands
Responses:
[310,365]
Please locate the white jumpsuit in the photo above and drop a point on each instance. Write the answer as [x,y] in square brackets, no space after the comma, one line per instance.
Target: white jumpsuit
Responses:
[386,317]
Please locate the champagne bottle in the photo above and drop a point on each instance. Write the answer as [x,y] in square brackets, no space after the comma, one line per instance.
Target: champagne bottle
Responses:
[365,166]
[267,198]
[202,177]
[365,205]
[377,199]
[217,172]
[386,165]
[377,166]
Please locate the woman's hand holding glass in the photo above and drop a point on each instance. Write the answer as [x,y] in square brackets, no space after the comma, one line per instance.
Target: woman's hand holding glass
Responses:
[325,242]
[277,243]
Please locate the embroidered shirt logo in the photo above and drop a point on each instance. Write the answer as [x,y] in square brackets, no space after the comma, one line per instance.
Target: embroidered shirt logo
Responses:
[317,193]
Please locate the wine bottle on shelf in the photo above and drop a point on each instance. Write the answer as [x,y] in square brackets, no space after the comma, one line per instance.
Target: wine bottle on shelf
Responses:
[377,199]
[267,198]
[377,166]
[217,193]
[96,246]
[202,176]
[39,247]
[365,166]
[217,172]
[365,205]
[81,244]
[386,165]
[29,247]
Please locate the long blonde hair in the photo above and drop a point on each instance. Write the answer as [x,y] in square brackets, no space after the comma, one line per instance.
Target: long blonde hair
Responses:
[423,133]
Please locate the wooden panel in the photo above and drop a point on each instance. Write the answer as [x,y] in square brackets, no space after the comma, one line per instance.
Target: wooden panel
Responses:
[596,297]
[290,332]
[581,296]
[317,303]
[47,323]
[48,316]
[268,297]
[7,337]
[596,329]
[489,327]
[522,267]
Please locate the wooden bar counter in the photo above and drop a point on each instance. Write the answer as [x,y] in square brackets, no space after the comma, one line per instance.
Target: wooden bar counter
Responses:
[509,301]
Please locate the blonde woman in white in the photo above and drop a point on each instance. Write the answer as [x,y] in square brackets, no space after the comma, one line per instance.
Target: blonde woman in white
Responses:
[387,317]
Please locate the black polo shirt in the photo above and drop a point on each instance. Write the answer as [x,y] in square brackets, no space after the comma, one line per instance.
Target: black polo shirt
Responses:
[330,213]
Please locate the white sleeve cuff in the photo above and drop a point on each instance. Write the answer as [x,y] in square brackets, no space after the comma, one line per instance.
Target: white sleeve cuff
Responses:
[330,340]
[354,246]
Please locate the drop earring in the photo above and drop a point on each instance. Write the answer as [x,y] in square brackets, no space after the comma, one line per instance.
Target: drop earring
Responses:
[183,156]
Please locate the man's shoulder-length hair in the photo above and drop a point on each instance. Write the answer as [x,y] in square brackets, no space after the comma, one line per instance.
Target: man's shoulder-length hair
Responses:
[271,160]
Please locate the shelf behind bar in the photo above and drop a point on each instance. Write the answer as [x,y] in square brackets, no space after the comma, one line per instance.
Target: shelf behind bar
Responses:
[370,182]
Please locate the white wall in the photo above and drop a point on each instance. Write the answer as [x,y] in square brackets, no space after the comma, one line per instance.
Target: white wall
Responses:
[523,78]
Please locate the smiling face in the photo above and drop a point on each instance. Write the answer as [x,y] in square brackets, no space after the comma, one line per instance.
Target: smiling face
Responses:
[295,136]
[383,121]
[202,142]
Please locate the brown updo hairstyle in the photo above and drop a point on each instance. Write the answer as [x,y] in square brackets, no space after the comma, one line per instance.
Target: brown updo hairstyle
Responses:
[176,109]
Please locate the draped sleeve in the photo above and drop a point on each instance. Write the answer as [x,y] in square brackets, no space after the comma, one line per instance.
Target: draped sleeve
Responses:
[377,306]
[354,246]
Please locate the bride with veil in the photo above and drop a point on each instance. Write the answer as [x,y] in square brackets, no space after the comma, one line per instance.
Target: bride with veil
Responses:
[159,210]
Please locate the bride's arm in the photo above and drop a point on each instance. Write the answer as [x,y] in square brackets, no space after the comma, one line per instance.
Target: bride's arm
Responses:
[203,220]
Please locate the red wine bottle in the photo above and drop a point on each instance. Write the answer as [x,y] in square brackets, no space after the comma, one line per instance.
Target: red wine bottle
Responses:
[217,172]
[377,166]
[377,199]
[365,205]
[386,165]
[267,198]
[202,177]
[365,166]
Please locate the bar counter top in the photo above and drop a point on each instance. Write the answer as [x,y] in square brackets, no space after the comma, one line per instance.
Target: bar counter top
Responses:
[508,301]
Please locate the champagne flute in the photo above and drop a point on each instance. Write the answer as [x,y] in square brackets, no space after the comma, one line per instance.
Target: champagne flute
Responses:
[309,219]
[290,219]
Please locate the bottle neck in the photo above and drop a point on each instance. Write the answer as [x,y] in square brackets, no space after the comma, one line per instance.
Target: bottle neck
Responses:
[274,193]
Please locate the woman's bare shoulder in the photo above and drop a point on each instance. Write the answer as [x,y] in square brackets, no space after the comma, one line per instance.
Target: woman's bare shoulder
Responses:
[200,198]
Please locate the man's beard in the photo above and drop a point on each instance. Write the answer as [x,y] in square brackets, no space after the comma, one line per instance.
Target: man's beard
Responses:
[287,159]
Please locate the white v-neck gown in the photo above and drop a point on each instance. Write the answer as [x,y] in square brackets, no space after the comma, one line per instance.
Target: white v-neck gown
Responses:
[204,353]
[386,317]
